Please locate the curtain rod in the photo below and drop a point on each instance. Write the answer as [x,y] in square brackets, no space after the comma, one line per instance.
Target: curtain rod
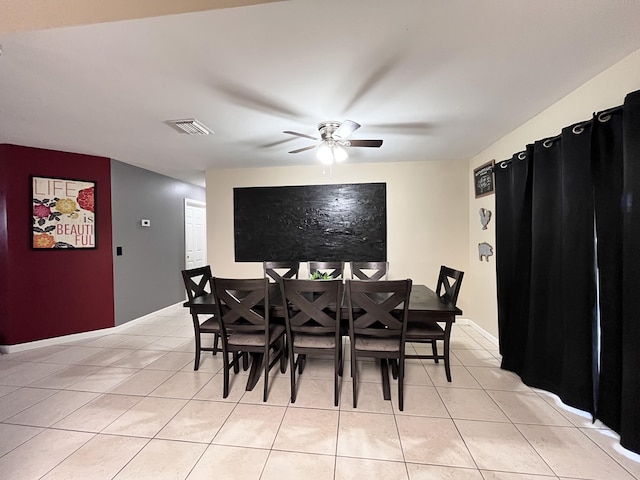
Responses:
[578,128]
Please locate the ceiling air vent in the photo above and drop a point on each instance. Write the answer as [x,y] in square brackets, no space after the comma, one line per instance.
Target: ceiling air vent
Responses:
[190,126]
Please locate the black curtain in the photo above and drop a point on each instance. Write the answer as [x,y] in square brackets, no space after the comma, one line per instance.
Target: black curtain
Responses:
[546,302]
[607,174]
[630,395]
[579,308]
[568,263]
[513,256]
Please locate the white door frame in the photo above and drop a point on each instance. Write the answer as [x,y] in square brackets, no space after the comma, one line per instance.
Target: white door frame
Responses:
[188,202]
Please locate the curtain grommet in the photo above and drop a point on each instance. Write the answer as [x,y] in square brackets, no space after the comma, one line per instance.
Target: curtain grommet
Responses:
[604,117]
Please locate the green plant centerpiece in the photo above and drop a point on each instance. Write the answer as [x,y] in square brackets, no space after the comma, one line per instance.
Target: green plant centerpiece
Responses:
[318,275]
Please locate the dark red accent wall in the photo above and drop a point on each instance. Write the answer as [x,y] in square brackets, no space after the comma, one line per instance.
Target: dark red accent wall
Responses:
[49,293]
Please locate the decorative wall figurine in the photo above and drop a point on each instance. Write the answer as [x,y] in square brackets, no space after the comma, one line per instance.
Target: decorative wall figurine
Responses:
[485,250]
[485,217]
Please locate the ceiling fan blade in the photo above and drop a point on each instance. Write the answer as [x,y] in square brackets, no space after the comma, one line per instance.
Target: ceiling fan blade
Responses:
[345,129]
[303,135]
[403,128]
[303,149]
[364,143]
[254,99]
[276,143]
[375,78]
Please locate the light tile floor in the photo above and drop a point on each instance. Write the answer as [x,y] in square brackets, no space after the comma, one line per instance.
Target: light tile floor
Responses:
[129,405]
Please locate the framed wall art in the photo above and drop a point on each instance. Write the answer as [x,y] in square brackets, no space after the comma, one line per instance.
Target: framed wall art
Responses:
[483,179]
[339,222]
[63,213]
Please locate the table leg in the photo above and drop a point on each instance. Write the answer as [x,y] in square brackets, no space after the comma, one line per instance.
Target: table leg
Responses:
[256,370]
[384,370]
[394,368]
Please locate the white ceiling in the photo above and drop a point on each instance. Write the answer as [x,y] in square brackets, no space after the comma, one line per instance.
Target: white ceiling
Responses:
[436,79]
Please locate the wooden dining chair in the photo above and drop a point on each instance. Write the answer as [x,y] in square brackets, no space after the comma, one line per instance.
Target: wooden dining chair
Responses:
[430,331]
[378,315]
[242,310]
[332,269]
[277,271]
[313,325]
[197,282]
[370,270]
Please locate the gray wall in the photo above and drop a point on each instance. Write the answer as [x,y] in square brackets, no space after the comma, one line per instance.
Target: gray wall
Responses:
[147,275]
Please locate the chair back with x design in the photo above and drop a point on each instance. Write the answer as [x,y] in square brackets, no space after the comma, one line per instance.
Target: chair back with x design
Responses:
[312,305]
[449,283]
[332,269]
[370,270]
[197,282]
[377,308]
[243,304]
[280,270]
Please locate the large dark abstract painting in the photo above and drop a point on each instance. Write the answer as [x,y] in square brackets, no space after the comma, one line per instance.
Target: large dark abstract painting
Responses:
[344,222]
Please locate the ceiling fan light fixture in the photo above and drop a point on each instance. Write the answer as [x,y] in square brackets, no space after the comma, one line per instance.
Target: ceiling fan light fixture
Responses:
[329,152]
[339,154]
[325,154]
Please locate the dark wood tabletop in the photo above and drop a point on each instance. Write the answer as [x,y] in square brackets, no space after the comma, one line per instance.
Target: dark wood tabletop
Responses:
[423,302]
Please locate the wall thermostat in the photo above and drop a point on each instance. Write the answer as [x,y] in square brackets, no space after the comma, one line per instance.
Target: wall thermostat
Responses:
[145,223]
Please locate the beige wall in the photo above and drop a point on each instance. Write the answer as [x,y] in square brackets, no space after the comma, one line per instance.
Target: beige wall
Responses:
[603,91]
[432,213]
[427,218]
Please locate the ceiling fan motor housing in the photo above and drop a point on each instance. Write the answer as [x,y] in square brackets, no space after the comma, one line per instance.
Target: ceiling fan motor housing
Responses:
[327,129]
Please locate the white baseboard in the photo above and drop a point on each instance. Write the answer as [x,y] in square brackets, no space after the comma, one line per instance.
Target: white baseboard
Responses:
[83,335]
[479,329]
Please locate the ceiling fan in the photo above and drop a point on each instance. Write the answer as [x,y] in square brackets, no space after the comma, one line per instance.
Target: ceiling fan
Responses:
[333,139]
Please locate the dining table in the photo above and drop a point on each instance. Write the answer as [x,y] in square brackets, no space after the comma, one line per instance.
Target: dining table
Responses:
[424,306]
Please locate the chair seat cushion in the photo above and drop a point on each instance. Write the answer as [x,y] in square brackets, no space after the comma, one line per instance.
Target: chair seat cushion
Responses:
[424,330]
[251,339]
[303,340]
[375,344]
[210,325]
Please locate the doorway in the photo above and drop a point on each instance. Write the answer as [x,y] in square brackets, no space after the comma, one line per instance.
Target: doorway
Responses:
[195,233]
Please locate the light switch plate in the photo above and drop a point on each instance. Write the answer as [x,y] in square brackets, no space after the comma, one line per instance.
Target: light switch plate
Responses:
[145,223]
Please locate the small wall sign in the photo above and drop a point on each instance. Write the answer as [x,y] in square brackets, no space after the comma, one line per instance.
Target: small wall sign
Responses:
[483,179]
[63,213]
